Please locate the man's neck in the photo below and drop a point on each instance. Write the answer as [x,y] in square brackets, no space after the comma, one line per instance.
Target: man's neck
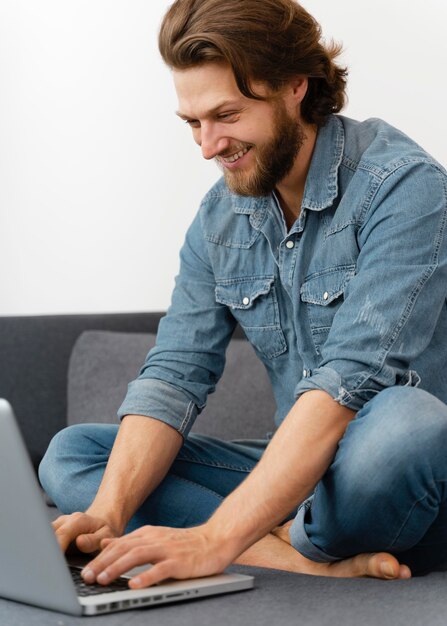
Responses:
[290,190]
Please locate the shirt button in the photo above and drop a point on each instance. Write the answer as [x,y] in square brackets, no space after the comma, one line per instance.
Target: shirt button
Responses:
[304,373]
[290,245]
[246,300]
[325,295]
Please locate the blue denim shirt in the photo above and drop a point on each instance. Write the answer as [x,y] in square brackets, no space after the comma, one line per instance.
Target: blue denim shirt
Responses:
[351,300]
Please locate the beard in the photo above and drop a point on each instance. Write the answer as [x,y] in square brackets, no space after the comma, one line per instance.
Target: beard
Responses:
[274,159]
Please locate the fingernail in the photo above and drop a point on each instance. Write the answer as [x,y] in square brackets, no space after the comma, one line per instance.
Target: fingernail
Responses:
[387,569]
[103,578]
[88,574]
[136,582]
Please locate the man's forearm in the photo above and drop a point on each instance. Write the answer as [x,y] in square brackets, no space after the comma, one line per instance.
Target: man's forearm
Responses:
[294,461]
[144,450]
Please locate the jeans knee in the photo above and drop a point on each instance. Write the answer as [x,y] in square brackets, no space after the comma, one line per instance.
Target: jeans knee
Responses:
[391,456]
[408,400]
[73,453]
[399,436]
[406,421]
[52,466]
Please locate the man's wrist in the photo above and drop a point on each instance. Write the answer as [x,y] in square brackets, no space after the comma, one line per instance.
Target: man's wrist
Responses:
[110,517]
[227,543]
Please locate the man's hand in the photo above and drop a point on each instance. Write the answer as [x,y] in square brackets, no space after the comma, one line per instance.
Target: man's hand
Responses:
[143,452]
[174,553]
[87,531]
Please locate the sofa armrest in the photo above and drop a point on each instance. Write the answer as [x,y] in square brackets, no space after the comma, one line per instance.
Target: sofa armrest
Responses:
[34,355]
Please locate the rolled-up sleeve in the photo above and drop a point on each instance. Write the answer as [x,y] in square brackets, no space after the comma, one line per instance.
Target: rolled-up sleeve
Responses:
[189,356]
[393,301]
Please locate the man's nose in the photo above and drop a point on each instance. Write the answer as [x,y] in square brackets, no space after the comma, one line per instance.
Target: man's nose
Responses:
[212,143]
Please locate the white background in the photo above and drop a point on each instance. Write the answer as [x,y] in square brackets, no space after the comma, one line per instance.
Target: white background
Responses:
[98,178]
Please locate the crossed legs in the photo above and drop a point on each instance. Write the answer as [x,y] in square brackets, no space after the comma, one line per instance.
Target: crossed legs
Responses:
[383,493]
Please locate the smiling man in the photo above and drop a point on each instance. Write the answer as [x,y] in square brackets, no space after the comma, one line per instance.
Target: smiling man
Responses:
[325,240]
[261,154]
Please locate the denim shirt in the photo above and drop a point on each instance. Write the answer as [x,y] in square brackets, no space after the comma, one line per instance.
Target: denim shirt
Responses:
[350,300]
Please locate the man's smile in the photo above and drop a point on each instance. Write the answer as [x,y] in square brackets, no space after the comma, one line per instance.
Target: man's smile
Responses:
[235,156]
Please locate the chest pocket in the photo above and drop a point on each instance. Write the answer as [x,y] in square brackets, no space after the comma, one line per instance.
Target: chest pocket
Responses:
[254,304]
[323,294]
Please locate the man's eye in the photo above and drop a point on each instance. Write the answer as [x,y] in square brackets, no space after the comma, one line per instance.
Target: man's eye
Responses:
[193,123]
[227,116]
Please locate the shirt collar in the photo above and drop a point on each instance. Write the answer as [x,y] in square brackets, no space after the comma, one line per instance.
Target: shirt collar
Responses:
[321,187]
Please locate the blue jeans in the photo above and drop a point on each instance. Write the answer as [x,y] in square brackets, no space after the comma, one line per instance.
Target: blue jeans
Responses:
[384,491]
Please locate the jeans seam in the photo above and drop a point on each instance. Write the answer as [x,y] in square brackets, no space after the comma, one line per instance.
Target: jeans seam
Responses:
[410,512]
[98,442]
[183,457]
[187,418]
[202,487]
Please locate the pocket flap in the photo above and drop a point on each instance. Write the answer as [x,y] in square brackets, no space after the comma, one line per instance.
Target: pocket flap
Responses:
[326,286]
[242,293]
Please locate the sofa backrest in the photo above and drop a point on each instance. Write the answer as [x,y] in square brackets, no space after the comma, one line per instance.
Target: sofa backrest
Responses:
[34,356]
[102,363]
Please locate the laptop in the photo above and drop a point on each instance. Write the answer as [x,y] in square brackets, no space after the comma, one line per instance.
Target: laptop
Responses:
[35,571]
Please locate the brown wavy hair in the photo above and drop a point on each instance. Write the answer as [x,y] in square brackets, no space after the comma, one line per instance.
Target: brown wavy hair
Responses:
[263,40]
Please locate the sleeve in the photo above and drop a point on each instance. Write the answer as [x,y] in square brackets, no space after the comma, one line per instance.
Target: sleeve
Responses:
[392,303]
[189,355]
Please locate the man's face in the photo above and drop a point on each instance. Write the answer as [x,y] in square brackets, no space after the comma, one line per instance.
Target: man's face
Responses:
[255,142]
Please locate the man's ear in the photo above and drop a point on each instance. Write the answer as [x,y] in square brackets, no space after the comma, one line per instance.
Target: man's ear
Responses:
[298,88]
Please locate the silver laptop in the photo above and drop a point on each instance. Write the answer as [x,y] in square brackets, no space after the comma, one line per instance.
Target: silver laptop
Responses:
[34,570]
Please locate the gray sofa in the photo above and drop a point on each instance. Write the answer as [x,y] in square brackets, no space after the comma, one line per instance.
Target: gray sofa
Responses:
[57,370]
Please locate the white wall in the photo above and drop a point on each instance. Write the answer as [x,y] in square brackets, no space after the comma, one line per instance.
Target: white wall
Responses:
[99,180]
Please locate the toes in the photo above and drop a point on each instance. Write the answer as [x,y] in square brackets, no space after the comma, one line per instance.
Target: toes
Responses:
[362,565]
[404,571]
[385,566]
[381,565]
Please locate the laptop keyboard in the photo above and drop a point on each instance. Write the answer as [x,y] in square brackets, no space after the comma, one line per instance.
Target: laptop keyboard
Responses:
[83,589]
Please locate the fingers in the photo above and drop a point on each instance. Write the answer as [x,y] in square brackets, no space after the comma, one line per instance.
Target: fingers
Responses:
[174,553]
[69,527]
[60,521]
[93,541]
[85,530]
[118,557]
[105,542]
[157,573]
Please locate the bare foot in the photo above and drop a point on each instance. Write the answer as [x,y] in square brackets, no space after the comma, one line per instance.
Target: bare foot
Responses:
[274,550]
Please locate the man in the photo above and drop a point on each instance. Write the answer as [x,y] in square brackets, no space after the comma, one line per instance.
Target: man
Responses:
[326,241]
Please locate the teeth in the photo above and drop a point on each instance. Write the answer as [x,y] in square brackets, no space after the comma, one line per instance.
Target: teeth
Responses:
[236,157]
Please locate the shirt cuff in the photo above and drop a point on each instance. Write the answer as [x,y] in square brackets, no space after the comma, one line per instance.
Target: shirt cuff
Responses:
[162,401]
[326,379]
[365,387]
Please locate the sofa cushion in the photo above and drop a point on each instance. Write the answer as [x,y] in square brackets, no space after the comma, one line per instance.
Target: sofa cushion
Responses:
[102,363]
